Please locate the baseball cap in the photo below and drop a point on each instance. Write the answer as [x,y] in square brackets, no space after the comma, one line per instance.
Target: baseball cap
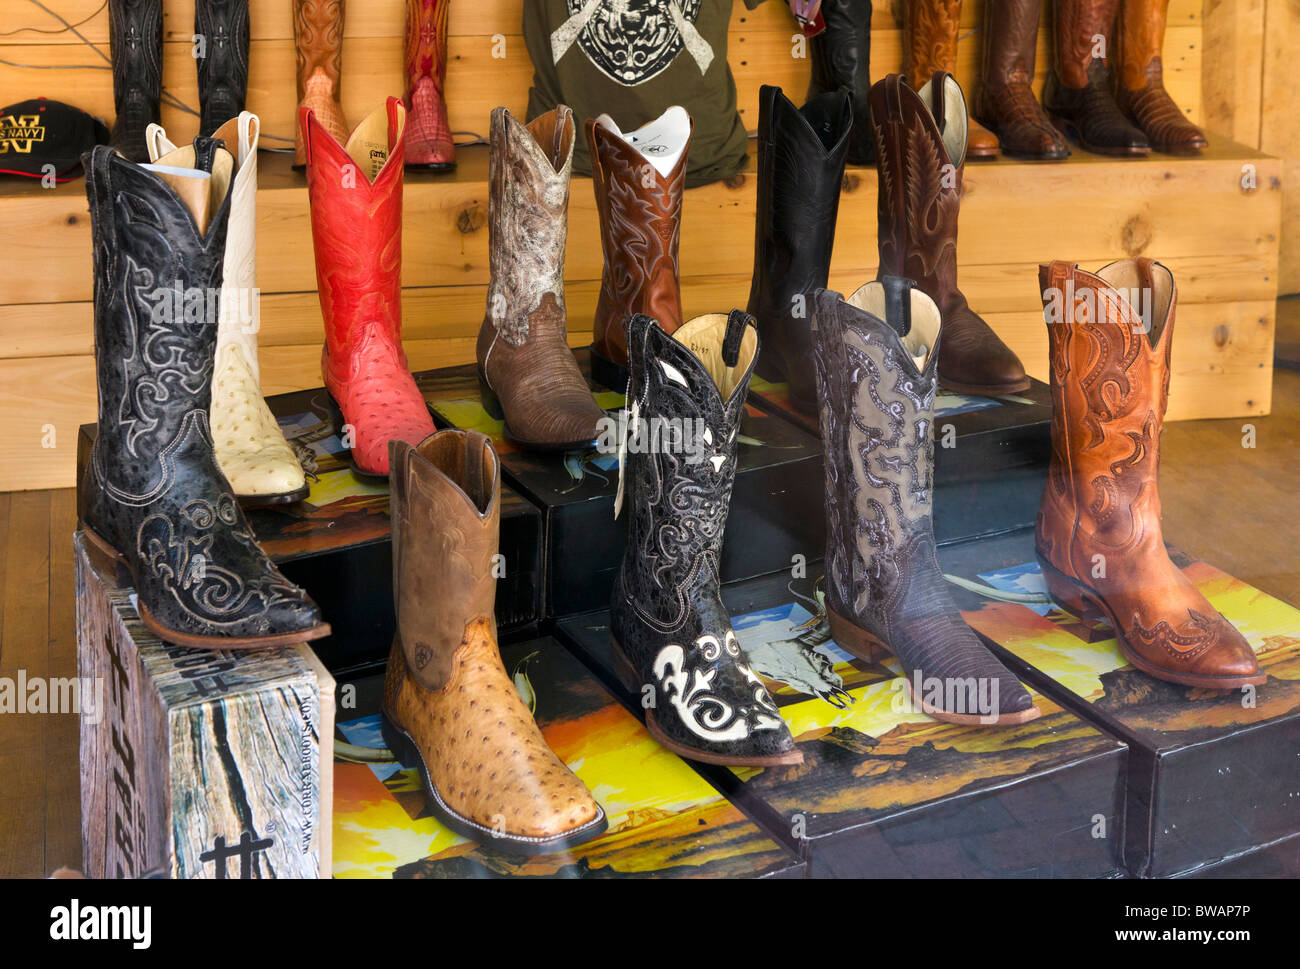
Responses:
[40,132]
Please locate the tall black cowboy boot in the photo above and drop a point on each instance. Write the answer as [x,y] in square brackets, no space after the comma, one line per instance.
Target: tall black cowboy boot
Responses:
[841,58]
[135,39]
[876,356]
[800,167]
[686,395]
[223,70]
[152,496]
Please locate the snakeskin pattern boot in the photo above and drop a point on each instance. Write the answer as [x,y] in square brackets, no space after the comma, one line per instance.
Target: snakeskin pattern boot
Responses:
[223,70]
[152,497]
[1004,97]
[428,136]
[876,356]
[672,635]
[135,39]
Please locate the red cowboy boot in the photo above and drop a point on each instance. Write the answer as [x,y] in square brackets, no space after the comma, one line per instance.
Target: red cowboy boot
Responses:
[428,137]
[356,226]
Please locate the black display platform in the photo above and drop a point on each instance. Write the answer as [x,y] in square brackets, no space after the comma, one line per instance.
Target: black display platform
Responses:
[990,456]
[335,543]
[665,820]
[770,521]
[887,792]
[1212,775]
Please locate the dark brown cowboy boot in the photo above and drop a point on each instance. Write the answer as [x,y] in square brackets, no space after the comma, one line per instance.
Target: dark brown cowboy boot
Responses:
[527,372]
[639,179]
[1141,90]
[920,150]
[450,709]
[1098,529]
[1004,99]
[930,29]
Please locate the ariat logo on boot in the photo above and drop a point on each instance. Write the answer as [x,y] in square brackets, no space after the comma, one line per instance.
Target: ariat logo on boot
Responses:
[18,134]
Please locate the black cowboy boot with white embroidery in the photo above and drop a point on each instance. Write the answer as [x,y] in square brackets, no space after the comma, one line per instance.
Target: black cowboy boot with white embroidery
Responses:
[152,496]
[686,395]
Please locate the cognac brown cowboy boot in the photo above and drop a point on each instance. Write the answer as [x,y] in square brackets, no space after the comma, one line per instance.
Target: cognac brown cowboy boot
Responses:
[1004,98]
[527,373]
[1141,89]
[930,29]
[1098,529]
[450,710]
[920,150]
[318,34]
[1079,90]
[639,179]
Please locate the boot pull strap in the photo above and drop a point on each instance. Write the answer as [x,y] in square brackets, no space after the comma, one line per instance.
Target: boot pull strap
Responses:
[1053,278]
[893,99]
[479,491]
[737,321]
[937,107]
[898,303]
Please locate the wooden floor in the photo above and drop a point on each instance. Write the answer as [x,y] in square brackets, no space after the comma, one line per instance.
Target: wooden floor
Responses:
[1237,507]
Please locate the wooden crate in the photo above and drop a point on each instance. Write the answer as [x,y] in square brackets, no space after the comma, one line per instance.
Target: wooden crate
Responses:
[201,763]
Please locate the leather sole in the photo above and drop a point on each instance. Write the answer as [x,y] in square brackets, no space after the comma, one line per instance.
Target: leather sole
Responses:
[983,154]
[984,390]
[1086,603]
[492,405]
[270,501]
[190,639]
[1071,131]
[626,672]
[853,639]
[403,746]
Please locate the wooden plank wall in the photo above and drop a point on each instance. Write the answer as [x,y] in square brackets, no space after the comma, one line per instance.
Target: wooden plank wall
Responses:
[1219,239]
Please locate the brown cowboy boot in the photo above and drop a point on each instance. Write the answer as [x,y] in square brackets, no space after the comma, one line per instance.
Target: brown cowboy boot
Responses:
[930,29]
[1098,529]
[450,710]
[527,373]
[1141,90]
[639,179]
[1004,99]
[920,151]
[318,35]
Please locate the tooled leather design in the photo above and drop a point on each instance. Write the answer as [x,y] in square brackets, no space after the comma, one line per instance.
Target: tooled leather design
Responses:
[318,38]
[1106,384]
[840,57]
[1077,22]
[135,39]
[667,612]
[883,575]
[1203,632]
[932,27]
[799,182]
[357,235]
[640,227]
[485,757]
[528,205]
[223,70]
[428,133]
[153,490]
[1004,99]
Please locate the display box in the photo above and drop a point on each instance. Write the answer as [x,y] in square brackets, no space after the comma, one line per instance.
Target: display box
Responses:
[196,763]
[664,819]
[886,792]
[778,464]
[335,543]
[990,456]
[1212,774]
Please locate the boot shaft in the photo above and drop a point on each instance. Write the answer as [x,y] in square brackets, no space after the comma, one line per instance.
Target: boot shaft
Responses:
[840,56]
[1010,40]
[528,202]
[1139,42]
[223,70]
[446,510]
[355,191]
[135,39]
[930,41]
[426,42]
[318,37]
[1076,25]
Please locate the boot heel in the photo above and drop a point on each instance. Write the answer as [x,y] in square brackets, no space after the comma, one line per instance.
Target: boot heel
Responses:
[105,559]
[856,640]
[607,373]
[397,742]
[623,668]
[1067,593]
[488,397]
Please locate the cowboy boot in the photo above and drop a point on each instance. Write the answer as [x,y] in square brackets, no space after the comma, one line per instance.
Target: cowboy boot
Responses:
[1079,91]
[672,635]
[639,179]
[931,28]
[223,70]
[355,192]
[876,356]
[1141,90]
[135,40]
[1004,99]
[920,140]
[428,137]
[450,710]
[841,58]
[527,373]
[1098,529]
[318,36]
[152,497]
[251,450]
[800,167]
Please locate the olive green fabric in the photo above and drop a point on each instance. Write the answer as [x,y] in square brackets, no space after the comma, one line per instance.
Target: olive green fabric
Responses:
[629,59]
